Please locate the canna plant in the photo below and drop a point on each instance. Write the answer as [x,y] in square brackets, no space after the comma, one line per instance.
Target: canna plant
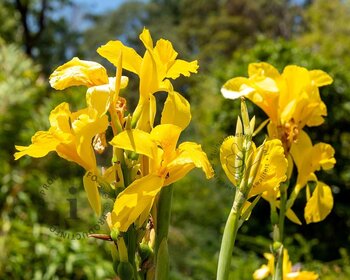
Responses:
[292,101]
[252,171]
[146,158]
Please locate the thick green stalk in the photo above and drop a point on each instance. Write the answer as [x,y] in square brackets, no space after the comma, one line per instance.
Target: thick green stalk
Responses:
[161,242]
[278,242]
[229,237]
[282,215]
[132,240]
[227,244]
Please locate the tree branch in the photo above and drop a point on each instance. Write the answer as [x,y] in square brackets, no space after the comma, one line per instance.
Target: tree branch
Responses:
[23,10]
[31,38]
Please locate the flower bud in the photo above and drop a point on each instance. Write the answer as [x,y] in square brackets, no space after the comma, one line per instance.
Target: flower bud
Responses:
[245,118]
[114,234]
[145,252]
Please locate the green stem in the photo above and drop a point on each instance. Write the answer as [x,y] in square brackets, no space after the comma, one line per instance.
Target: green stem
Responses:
[132,240]
[161,242]
[229,237]
[227,244]
[278,275]
[282,216]
[278,238]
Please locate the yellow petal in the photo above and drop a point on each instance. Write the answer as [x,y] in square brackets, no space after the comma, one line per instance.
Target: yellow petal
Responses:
[300,101]
[78,72]
[166,135]
[177,169]
[190,155]
[320,78]
[261,88]
[182,67]
[109,174]
[131,61]
[309,158]
[164,55]
[85,129]
[91,188]
[287,264]
[297,79]
[290,166]
[43,142]
[293,217]
[137,141]
[302,275]
[60,117]
[264,78]
[272,169]
[138,196]
[261,273]
[68,151]
[320,204]
[231,157]
[236,88]
[98,98]
[323,154]
[165,51]
[176,110]
[149,81]
[146,110]
[262,69]
[301,149]
[194,151]
[146,39]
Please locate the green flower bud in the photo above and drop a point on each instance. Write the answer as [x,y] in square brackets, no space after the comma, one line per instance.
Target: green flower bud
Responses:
[114,235]
[145,252]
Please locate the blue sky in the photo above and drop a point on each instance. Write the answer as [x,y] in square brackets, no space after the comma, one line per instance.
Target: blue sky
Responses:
[75,13]
[98,6]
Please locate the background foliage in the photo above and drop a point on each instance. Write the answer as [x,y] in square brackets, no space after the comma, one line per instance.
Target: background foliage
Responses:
[37,36]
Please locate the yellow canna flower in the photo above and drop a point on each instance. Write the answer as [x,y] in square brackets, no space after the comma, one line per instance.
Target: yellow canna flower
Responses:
[70,135]
[103,91]
[308,159]
[291,99]
[269,171]
[167,164]
[158,64]
[288,274]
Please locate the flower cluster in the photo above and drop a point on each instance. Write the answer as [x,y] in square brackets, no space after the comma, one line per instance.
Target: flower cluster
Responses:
[292,101]
[145,156]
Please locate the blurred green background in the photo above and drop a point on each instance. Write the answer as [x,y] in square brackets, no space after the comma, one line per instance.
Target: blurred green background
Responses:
[39,240]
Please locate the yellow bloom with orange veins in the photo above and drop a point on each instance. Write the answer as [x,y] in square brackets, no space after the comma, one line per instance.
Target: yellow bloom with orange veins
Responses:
[167,164]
